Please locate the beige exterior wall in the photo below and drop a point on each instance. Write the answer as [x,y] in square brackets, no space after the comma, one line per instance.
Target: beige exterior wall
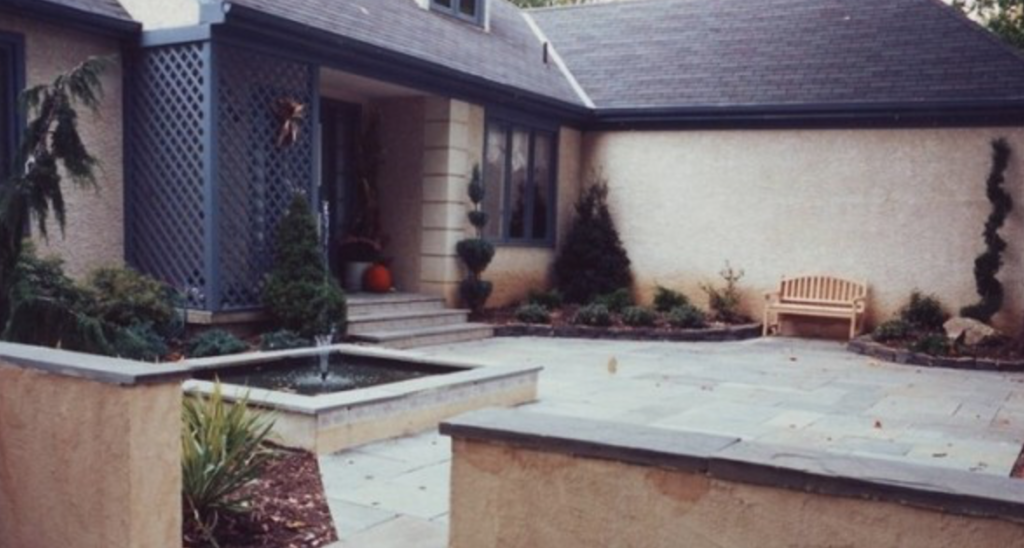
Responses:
[901,209]
[87,464]
[95,218]
[401,186]
[516,498]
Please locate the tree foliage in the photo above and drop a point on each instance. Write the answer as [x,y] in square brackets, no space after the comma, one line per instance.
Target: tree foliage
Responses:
[51,148]
[1003,17]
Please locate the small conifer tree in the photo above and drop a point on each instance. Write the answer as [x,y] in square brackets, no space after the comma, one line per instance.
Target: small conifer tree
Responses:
[987,265]
[300,294]
[476,253]
[593,260]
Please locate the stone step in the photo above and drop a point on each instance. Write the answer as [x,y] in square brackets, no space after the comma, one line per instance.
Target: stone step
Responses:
[404,320]
[427,336]
[362,304]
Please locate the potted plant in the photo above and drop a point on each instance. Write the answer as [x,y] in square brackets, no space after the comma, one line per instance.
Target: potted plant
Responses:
[357,254]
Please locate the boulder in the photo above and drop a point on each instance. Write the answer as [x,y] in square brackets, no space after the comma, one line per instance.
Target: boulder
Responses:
[973,331]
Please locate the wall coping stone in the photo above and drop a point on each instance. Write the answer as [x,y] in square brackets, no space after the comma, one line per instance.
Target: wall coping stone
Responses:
[712,334]
[731,459]
[91,367]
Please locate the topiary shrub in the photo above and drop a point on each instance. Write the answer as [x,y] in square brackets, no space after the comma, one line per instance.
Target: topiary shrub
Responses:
[222,450]
[933,344]
[987,265]
[595,315]
[687,317]
[300,294]
[476,253]
[638,316]
[550,300]
[666,299]
[282,339]
[593,260]
[923,312]
[616,301]
[533,313]
[892,330]
[215,342]
[125,297]
[725,302]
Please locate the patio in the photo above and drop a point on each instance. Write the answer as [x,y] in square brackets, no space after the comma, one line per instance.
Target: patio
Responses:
[812,394]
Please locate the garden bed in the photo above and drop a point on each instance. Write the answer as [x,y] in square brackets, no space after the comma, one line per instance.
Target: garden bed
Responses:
[995,359]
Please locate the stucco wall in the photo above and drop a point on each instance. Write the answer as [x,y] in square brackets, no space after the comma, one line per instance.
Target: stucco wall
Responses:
[88,464]
[401,186]
[901,209]
[512,497]
[95,218]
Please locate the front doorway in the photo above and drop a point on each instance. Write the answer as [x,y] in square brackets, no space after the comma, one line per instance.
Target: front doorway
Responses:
[11,78]
[339,134]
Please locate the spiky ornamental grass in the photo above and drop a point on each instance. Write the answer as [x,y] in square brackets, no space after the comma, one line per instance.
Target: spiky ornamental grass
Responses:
[51,141]
[987,265]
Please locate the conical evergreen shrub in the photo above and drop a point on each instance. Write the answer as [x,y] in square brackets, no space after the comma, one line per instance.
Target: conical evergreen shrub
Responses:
[593,260]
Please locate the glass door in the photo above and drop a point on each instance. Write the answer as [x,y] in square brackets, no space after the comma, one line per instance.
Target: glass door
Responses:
[339,126]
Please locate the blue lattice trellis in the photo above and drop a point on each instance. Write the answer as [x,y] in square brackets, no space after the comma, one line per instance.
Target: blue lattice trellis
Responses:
[208,181]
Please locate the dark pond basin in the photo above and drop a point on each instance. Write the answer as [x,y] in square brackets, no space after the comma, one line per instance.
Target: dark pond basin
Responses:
[311,376]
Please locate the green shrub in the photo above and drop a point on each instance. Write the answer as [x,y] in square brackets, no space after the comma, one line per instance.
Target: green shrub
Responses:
[616,301]
[550,300]
[300,295]
[987,265]
[725,302]
[933,344]
[666,299]
[638,316]
[596,315]
[125,297]
[140,342]
[222,451]
[533,313]
[923,312]
[687,317]
[215,342]
[475,292]
[282,339]
[892,330]
[476,252]
[593,260]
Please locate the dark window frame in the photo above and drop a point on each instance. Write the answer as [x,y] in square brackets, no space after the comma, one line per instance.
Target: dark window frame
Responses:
[532,127]
[12,48]
[455,10]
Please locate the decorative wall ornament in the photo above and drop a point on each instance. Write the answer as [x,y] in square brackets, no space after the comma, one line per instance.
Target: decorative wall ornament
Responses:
[290,114]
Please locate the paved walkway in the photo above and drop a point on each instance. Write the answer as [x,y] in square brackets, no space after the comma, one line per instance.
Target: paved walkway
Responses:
[781,391]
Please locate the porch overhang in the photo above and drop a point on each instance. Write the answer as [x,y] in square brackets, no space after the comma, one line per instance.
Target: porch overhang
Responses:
[68,16]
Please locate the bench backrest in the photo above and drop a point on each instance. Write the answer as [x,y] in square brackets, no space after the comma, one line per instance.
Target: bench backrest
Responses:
[820,290]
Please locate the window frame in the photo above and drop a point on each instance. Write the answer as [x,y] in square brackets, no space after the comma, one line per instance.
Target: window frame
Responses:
[12,46]
[510,123]
[455,10]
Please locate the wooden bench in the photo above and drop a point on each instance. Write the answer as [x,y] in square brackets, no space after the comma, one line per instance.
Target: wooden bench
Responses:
[817,296]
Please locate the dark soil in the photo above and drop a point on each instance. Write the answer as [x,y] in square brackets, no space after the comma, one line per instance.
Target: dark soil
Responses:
[289,510]
[564,315]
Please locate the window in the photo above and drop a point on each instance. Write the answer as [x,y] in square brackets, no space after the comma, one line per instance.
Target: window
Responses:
[11,78]
[519,174]
[470,10]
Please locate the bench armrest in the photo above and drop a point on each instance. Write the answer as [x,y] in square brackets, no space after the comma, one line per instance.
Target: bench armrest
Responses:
[772,297]
[860,304]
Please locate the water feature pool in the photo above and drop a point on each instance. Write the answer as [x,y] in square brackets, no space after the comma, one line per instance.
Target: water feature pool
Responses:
[336,397]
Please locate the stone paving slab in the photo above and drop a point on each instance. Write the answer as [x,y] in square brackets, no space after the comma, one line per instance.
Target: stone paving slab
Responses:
[787,392]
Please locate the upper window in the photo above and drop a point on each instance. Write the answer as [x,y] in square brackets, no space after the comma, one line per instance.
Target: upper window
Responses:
[519,174]
[470,10]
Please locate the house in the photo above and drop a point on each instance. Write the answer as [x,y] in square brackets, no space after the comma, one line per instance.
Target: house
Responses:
[783,136]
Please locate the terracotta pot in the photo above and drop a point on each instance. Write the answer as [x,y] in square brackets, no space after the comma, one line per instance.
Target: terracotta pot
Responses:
[377,279]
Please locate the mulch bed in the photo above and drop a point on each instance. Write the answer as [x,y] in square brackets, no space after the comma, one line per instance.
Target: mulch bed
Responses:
[289,509]
[1005,358]
[505,325]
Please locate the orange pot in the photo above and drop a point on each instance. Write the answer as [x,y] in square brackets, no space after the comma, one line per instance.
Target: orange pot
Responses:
[377,279]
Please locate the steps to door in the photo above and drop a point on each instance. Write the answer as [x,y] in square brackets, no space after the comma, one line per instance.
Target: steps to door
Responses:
[405,320]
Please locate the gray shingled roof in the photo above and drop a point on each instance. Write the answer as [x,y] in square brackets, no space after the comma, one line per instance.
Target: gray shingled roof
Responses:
[510,54]
[692,53]
[105,8]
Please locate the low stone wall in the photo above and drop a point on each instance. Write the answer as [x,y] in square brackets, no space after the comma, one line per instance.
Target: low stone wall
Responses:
[522,479]
[728,333]
[90,451]
[864,345]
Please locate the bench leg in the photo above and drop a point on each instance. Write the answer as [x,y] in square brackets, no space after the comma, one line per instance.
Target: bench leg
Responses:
[853,327]
[764,324]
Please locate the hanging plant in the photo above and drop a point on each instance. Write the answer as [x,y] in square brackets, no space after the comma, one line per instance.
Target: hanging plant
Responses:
[290,114]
